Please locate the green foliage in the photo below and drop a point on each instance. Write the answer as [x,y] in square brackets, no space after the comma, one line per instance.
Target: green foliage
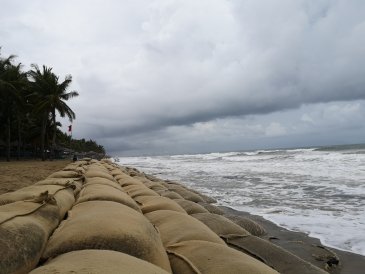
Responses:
[29,102]
[79,145]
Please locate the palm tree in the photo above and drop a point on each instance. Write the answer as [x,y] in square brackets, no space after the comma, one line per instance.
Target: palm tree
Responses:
[50,96]
[12,82]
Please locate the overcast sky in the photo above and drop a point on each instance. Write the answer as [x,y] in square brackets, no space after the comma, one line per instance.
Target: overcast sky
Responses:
[185,76]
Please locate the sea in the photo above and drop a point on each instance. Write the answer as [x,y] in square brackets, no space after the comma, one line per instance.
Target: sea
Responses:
[319,191]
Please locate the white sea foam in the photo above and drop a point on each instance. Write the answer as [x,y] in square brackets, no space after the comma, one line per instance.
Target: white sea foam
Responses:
[321,193]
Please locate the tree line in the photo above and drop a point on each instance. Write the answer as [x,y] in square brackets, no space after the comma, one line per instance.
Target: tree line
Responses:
[29,101]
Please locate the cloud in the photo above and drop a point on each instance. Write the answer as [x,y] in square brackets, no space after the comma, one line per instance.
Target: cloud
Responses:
[143,68]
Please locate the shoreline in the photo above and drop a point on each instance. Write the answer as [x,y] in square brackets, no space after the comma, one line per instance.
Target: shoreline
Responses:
[307,248]
[304,246]
[309,234]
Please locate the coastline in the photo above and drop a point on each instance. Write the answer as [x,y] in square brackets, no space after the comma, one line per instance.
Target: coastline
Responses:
[308,248]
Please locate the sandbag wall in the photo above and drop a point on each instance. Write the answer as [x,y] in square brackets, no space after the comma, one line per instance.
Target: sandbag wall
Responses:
[95,216]
[29,216]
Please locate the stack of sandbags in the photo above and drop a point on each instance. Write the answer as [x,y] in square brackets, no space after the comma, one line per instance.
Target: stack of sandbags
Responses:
[177,227]
[105,222]
[240,239]
[108,225]
[62,196]
[152,203]
[105,192]
[24,230]
[194,248]
[184,239]
[100,187]
[98,261]
[28,217]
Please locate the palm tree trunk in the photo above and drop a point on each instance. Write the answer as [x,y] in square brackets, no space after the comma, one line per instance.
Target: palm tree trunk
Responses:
[8,141]
[43,136]
[19,140]
[53,146]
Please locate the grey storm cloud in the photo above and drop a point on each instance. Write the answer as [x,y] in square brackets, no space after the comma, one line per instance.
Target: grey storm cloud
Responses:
[142,67]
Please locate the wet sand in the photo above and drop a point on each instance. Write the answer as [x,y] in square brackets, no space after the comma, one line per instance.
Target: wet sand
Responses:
[308,248]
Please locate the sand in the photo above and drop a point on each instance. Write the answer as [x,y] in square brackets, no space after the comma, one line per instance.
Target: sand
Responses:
[18,174]
[15,175]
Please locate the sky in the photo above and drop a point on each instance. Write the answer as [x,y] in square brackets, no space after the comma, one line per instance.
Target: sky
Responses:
[185,76]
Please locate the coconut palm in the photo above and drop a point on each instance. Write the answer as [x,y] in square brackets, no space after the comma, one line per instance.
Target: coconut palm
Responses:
[50,96]
[12,84]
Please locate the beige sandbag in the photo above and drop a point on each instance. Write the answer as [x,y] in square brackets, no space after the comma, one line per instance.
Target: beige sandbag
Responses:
[191,207]
[77,183]
[102,181]
[157,187]
[133,172]
[176,227]
[206,198]
[116,172]
[128,181]
[135,191]
[93,172]
[169,194]
[220,225]
[63,196]
[65,174]
[110,226]
[248,224]
[153,203]
[210,258]
[98,261]
[186,194]
[212,208]
[24,230]
[102,192]
[272,255]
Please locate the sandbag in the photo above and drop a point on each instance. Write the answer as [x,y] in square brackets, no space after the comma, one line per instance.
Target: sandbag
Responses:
[220,225]
[94,172]
[128,181]
[135,191]
[169,194]
[157,187]
[65,174]
[63,196]
[102,181]
[176,227]
[24,230]
[191,207]
[100,192]
[192,257]
[186,194]
[77,182]
[212,208]
[248,224]
[98,261]
[153,203]
[272,255]
[116,172]
[109,226]
[206,198]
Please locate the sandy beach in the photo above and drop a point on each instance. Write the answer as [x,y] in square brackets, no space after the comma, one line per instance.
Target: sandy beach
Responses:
[16,175]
